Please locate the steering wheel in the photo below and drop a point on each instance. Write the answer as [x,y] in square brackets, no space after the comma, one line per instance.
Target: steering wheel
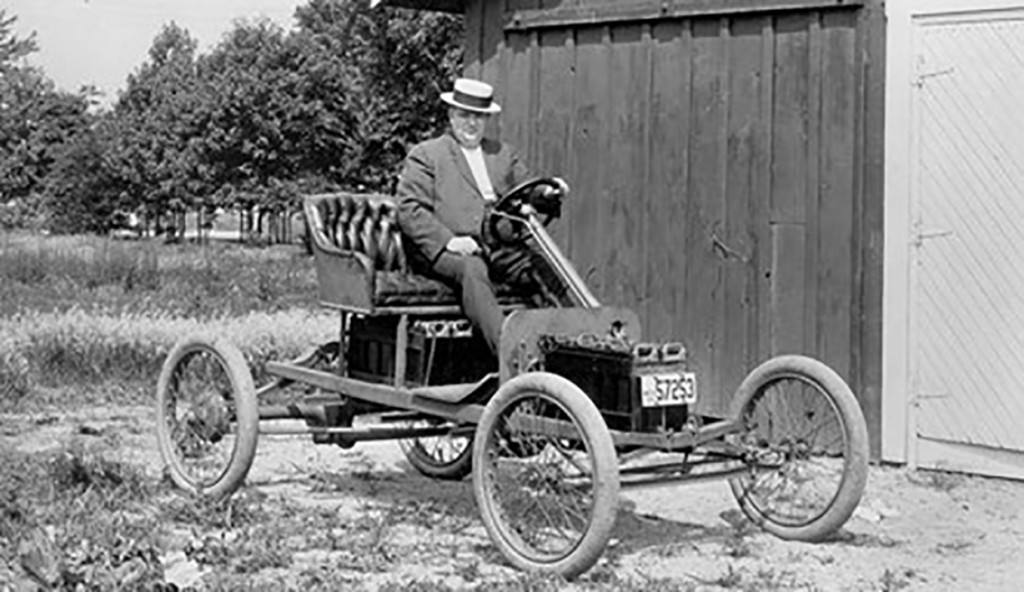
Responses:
[542,196]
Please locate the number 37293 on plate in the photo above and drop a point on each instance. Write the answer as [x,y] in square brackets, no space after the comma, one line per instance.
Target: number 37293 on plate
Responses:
[668,388]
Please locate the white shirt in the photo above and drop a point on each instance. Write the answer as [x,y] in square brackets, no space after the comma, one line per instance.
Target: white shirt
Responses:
[475,157]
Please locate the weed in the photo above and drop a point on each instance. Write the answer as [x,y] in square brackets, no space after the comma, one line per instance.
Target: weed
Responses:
[82,516]
[78,470]
[530,582]
[416,586]
[241,509]
[737,545]
[953,547]
[732,578]
[469,571]
[892,581]
[943,481]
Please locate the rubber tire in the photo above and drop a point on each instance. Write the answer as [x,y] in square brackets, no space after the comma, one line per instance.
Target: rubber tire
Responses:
[855,470]
[605,463]
[246,412]
[428,466]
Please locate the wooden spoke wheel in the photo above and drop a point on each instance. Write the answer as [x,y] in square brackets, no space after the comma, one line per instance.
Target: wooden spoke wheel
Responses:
[806,448]
[207,416]
[545,475]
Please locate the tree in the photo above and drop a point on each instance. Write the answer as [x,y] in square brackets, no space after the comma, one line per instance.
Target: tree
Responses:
[84,190]
[270,111]
[154,154]
[400,60]
[264,117]
[12,48]
[36,120]
[17,84]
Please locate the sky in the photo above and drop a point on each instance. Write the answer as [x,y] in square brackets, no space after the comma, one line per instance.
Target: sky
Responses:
[100,42]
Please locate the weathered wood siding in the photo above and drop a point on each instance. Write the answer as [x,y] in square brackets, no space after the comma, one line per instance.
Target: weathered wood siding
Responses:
[725,163]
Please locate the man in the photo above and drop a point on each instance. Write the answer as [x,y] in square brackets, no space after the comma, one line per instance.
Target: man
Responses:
[444,189]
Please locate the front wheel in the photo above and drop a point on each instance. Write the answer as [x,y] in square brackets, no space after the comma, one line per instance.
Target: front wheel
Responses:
[545,475]
[207,416]
[806,448]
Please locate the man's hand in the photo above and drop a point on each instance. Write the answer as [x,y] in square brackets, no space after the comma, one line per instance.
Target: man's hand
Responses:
[563,187]
[463,245]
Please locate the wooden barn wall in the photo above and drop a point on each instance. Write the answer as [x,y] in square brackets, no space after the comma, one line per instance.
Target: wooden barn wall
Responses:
[726,173]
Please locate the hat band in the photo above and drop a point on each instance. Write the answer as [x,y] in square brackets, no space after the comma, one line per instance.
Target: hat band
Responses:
[472,101]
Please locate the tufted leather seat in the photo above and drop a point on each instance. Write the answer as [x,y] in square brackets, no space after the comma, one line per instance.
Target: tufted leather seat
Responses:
[361,263]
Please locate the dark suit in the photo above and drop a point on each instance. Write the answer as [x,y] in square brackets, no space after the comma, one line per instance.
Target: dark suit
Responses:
[438,199]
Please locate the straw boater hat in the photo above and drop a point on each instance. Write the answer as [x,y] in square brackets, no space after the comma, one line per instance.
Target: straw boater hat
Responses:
[472,95]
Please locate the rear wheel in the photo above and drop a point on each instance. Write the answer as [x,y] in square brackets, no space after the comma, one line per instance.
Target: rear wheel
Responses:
[440,457]
[545,475]
[207,416]
[806,448]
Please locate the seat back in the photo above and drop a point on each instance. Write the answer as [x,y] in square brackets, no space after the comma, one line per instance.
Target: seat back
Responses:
[361,223]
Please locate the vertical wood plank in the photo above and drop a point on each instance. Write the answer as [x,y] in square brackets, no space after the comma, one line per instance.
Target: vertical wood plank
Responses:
[704,281]
[789,130]
[812,176]
[738,234]
[472,60]
[589,154]
[855,378]
[554,101]
[834,237]
[533,94]
[516,119]
[555,82]
[622,197]
[872,50]
[668,169]
[492,43]
[761,211]
[493,56]
[645,179]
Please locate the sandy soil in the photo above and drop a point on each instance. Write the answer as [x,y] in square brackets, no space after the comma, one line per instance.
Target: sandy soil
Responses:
[913,530]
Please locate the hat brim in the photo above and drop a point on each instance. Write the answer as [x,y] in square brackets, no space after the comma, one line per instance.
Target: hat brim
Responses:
[449,97]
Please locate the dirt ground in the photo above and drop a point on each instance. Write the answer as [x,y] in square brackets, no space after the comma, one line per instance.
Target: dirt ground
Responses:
[913,530]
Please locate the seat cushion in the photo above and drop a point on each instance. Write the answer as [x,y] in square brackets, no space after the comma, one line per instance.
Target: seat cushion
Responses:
[395,288]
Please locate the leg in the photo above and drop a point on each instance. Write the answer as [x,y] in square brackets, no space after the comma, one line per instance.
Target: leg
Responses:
[522,266]
[469,276]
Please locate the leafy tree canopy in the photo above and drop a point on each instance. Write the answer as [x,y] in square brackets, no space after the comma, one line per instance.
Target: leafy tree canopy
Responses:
[263,117]
[36,120]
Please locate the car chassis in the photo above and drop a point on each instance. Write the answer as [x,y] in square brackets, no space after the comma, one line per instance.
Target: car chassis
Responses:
[546,465]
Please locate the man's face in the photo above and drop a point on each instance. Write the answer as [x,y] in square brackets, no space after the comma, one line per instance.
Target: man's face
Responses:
[468,126]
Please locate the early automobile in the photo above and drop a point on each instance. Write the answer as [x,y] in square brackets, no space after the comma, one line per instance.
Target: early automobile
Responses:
[575,405]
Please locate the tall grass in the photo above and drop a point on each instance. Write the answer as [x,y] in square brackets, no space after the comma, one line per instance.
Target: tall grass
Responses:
[76,347]
[94,273]
[86,311]
[89,266]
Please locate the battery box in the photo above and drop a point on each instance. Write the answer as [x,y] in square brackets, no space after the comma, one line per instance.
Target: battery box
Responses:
[610,371]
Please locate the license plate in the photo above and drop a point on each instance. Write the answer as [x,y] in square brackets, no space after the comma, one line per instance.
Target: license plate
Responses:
[668,388]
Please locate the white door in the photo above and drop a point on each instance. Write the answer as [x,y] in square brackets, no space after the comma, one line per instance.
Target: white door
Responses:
[966,301]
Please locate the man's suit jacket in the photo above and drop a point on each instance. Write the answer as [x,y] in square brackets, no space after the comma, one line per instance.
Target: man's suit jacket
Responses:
[438,197]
